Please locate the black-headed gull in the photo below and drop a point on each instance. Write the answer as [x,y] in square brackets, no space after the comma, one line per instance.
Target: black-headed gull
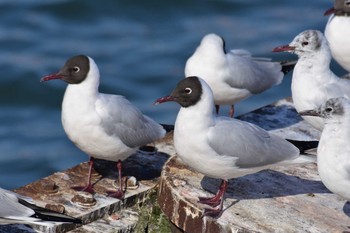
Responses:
[333,153]
[222,147]
[337,32]
[233,75]
[313,82]
[102,125]
[15,208]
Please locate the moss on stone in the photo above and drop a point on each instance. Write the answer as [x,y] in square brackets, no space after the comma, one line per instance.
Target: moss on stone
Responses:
[151,217]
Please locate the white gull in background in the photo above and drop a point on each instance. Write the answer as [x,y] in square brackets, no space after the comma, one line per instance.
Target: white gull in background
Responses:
[313,82]
[233,75]
[222,147]
[337,32]
[102,125]
[333,153]
[18,209]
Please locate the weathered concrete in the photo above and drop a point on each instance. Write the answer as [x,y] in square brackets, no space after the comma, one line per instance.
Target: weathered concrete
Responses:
[286,199]
[106,213]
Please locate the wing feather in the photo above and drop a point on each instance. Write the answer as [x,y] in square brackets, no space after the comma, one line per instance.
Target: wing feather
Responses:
[125,121]
[253,74]
[9,206]
[250,144]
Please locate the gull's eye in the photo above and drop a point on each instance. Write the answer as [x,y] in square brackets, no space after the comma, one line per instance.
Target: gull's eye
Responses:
[76,69]
[304,43]
[329,110]
[188,90]
[347,3]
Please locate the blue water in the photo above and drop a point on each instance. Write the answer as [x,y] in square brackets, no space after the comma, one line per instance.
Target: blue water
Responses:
[140,47]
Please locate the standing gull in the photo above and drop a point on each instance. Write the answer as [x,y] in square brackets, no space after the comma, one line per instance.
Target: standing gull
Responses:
[102,125]
[222,147]
[337,32]
[333,153]
[313,82]
[234,75]
[15,208]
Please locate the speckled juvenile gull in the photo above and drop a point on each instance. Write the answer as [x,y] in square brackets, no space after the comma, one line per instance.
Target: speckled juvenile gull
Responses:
[233,75]
[333,153]
[337,32]
[313,82]
[222,147]
[104,126]
[15,208]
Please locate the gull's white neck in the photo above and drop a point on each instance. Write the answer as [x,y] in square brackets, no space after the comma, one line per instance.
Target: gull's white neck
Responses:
[197,117]
[314,68]
[89,87]
[81,98]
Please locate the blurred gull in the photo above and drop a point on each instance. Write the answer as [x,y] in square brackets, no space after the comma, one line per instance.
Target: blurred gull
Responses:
[102,125]
[313,82]
[234,75]
[222,147]
[337,32]
[18,209]
[333,153]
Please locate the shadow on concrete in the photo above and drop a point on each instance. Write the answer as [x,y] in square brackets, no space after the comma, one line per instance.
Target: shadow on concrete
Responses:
[265,184]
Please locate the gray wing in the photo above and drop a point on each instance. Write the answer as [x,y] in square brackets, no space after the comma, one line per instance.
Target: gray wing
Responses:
[253,74]
[10,208]
[119,117]
[250,144]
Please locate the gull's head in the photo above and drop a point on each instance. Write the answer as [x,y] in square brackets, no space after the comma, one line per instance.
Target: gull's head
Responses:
[188,92]
[307,42]
[74,71]
[340,7]
[335,109]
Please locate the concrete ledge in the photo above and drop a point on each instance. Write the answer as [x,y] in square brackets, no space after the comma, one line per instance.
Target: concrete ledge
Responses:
[286,199]
[54,192]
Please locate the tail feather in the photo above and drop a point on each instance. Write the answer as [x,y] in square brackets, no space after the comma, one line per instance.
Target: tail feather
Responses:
[303,145]
[288,66]
[49,215]
[168,128]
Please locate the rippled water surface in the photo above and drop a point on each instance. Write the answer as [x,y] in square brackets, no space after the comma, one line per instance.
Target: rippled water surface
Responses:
[140,47]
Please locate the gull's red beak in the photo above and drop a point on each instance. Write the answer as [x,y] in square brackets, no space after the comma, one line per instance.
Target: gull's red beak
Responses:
[50,77]
[283,48]
[329,11]
[164,99]
[309,113]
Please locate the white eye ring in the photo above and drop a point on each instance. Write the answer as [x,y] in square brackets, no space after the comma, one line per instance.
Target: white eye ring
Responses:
[188,90]
[76,69]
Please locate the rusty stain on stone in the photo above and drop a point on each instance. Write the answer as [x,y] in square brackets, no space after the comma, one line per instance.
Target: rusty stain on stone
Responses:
[55,207]
[83,170]
[144,168]
[84,199]
[46,186]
